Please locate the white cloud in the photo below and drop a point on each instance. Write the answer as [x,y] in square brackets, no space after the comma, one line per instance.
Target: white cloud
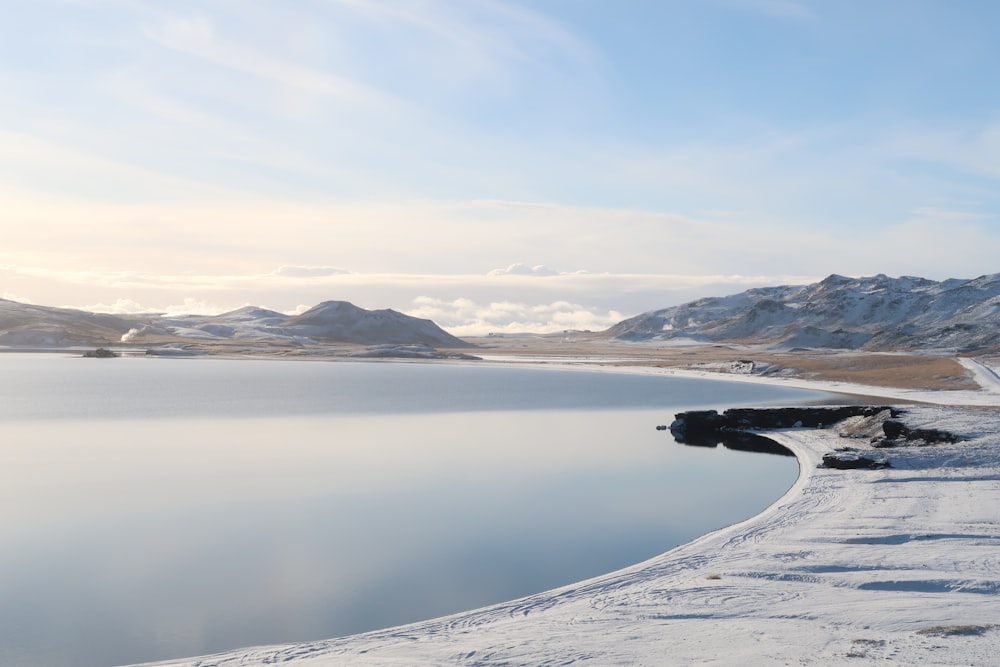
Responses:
[308,271]
[465,317]
[118,307]
[191,306]
[539,270]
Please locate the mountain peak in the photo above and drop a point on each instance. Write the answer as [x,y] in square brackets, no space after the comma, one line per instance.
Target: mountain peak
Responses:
[327,322]
[873,313]
[834,279]
[342,321]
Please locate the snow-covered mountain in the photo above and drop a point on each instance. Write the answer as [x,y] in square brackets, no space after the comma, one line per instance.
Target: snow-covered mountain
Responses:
[329,322]
[340,321]
[23,324]
[874,313]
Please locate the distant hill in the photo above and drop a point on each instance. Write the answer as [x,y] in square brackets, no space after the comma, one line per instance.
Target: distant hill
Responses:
[42,326]
[341,321]
[25,325]
[874,313]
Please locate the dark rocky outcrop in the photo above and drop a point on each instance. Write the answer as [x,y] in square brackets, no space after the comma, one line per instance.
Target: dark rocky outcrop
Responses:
[735,428]
[707,424]
[848,458]
[898,434]
[100,353]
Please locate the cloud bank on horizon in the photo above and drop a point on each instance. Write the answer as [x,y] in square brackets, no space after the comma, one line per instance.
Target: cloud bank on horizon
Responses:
[492,165]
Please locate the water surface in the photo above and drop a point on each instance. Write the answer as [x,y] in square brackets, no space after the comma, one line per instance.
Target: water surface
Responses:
[157,508]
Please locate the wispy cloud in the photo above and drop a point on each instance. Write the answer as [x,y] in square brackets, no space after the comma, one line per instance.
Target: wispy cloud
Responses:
[67,182]
[482,37]
[518,269]
[461,238]
[971,149]
[197,36]
[936,234]
[937,215]
[485,150]
[308,271]
[43,161]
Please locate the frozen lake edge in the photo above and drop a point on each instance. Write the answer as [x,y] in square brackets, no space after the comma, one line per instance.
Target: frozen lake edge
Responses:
[888,564]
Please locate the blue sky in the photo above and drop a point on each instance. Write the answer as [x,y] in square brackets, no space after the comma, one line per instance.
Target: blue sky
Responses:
[428,155]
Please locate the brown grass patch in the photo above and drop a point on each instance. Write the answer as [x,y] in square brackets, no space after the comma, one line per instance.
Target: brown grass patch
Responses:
[902,370]
[912,371]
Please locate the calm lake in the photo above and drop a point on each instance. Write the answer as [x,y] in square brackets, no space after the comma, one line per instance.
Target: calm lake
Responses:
[158,508]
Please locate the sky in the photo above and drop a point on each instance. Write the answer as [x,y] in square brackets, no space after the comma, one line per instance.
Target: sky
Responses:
[492,165]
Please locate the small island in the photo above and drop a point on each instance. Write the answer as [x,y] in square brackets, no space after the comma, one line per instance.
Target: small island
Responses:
[100,353]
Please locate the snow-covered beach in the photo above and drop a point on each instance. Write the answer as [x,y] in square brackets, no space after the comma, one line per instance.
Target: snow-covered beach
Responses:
[848,567]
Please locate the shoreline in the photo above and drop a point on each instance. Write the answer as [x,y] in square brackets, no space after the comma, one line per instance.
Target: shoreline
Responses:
[846,566]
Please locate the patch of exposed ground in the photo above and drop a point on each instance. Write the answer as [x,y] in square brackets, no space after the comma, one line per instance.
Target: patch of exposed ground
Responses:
[899,370]
[904,370]
[955,630]
[912,371]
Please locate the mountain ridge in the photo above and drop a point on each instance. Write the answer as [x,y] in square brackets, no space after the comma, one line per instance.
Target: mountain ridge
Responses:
[875,313]
[29,325]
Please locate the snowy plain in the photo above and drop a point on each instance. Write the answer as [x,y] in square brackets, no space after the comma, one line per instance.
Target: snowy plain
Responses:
[897,565]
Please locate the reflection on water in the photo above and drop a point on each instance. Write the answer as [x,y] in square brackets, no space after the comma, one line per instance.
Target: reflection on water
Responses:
[196,515]
[743,442]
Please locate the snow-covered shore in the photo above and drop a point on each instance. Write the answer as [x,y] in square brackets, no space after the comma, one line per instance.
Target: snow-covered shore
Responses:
[848,567]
